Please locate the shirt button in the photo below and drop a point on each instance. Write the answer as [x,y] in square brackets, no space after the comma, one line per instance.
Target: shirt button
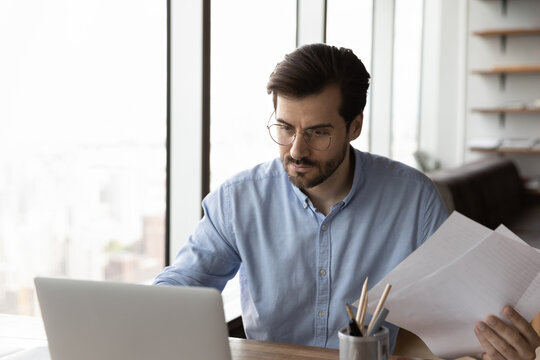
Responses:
[320,313]
[304,204]
[324,227]
[322,272]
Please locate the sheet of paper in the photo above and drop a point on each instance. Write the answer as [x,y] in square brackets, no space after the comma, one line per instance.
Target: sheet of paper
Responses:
[462,285]
[39,353]
[455,236]
[443,308]
[19,334]
[503,230]
[7,349]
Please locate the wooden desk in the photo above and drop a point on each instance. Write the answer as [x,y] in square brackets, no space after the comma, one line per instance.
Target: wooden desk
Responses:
[242,349]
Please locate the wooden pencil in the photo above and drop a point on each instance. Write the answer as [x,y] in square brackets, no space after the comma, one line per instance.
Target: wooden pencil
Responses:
[361,312]
[379,306]
[364,311]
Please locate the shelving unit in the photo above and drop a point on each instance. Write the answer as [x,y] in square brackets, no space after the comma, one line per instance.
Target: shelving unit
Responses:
[508,32]
[506,151]
[517,65]
[507,110]
[503,71]
[513,69]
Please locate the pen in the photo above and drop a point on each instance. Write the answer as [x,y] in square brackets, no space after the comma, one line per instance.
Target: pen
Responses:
[378,321]
[353,326]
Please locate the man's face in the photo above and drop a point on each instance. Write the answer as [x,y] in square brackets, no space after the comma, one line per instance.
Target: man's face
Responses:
[306,166]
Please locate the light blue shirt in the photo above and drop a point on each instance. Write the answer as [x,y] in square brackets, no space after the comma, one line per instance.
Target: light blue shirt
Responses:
[298,268]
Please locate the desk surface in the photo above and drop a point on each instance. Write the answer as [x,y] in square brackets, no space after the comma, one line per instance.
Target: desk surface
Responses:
[242,349]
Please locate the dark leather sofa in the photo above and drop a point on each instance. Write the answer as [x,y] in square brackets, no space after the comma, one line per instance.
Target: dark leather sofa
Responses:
[491,192]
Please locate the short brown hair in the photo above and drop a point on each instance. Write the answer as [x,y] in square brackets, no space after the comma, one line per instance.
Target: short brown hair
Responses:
[311,68]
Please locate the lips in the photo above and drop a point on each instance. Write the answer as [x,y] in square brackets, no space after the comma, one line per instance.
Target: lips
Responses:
[300,168]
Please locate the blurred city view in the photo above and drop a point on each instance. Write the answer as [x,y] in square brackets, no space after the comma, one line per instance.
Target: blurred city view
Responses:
[82,143]
[90,211]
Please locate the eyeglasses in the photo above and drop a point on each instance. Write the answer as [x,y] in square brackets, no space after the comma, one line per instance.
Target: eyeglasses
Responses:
[316,138]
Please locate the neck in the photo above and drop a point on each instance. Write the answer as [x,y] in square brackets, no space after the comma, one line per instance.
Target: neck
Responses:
[335,188]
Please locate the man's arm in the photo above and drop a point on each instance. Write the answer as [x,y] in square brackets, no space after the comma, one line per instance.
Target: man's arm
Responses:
[504,341]
[209,258]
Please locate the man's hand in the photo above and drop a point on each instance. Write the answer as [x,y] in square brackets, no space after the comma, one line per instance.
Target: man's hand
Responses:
[503,341]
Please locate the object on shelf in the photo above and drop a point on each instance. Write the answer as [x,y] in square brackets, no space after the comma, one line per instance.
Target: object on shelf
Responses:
[513,106]
[484,143]
[518,143]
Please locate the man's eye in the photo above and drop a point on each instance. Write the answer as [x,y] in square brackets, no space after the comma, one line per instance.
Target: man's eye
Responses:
[286,129]
[319,132]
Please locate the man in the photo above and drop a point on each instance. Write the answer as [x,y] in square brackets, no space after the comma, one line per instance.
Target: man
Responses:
[306,229]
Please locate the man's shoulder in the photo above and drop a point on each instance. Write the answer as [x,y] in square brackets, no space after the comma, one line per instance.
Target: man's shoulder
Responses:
[262,173]
[379,167]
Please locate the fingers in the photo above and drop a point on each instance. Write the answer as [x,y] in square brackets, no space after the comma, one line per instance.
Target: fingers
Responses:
[500,340]
[495,348]
[522,326]
[513,343]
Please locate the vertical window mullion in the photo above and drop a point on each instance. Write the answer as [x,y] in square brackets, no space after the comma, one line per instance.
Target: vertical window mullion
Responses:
[381,74]
[311,22]
[186,119]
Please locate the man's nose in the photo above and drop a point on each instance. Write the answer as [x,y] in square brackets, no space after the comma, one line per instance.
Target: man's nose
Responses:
[299,147]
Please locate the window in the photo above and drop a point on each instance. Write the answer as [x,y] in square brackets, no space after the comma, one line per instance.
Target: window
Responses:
[349,24]
[244,51]
[406,79]
[82,143]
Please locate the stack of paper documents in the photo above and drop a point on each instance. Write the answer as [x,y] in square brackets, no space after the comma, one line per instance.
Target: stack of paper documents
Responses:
[518,143]
[484,143]
[461,274]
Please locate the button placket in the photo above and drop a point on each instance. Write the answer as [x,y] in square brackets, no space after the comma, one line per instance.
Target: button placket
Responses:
[323,296]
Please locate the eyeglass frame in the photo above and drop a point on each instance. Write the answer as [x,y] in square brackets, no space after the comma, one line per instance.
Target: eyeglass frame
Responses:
[268,126]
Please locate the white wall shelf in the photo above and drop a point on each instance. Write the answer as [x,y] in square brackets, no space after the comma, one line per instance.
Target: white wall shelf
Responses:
[508,32]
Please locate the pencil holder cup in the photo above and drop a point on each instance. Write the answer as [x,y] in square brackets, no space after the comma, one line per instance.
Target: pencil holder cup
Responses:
[374,347]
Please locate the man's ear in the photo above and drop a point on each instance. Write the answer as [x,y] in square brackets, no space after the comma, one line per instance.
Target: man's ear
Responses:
[355,128]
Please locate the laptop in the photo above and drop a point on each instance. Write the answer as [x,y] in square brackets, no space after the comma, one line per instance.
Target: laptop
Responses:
[88,320]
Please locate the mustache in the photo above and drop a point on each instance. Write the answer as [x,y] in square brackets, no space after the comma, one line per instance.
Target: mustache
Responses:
[303,161]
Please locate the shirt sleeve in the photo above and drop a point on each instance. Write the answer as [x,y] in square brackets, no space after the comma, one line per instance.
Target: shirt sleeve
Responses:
[209,258]
[434,212]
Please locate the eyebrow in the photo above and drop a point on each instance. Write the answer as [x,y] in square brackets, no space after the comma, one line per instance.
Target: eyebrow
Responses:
[318,126]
